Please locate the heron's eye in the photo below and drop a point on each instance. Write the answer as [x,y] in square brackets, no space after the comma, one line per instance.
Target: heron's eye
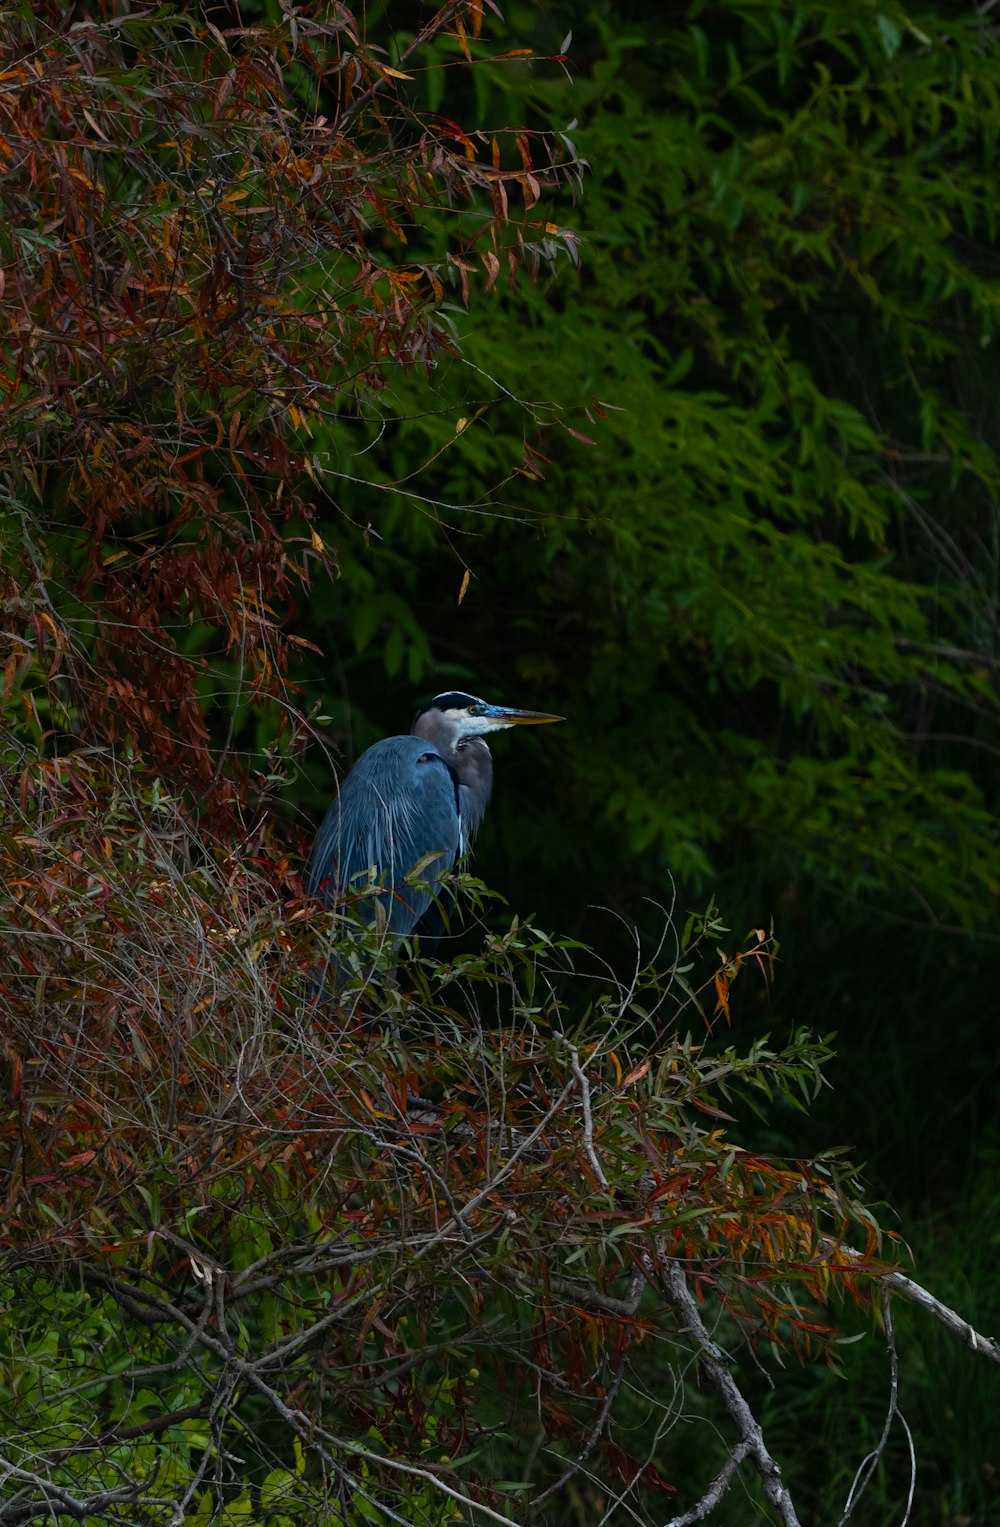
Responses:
[473,710]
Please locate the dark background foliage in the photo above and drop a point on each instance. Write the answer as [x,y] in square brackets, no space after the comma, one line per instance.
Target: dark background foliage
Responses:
[684,427]
[764,590]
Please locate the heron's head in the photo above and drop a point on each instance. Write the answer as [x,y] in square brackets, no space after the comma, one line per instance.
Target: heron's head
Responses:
[456,715]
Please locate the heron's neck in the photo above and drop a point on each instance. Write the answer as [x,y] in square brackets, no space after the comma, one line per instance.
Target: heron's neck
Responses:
[471,761]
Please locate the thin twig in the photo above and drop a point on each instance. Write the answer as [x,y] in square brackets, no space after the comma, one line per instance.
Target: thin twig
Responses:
[716,1490]
[594,1435]
[913,1470]
[866,1468]
[588,1122]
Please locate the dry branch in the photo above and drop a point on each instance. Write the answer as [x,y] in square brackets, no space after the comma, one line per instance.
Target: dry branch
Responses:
[712,1363]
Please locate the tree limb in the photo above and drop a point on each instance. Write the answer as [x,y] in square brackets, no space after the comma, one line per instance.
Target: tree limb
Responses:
[866,1469]
[595,1431]
[712,1364]
[985,1346]
[716,1490]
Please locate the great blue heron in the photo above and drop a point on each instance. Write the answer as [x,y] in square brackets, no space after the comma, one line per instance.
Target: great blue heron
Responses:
[411,803]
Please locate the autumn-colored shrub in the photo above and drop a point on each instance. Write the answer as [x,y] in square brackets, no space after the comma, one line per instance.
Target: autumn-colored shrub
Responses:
[295,1226]
[212,236]
[346,1235]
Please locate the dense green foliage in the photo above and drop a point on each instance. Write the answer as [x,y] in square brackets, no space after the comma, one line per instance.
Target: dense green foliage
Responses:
[766,591]
[643,374]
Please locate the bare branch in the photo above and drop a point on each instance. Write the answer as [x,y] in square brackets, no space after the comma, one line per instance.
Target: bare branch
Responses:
[712,1364]
[579,1293]
[716,1490]
[56,1499]
[588,1122]
[868,1465]
[595,1431]
[984,1346]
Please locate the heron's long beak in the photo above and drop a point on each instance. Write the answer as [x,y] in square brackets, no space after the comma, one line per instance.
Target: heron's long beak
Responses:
[503,715]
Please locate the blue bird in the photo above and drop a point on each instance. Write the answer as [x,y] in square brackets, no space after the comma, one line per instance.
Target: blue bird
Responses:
[411,804]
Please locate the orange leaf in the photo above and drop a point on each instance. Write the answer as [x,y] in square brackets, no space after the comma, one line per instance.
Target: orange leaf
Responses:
[722,993]
[532,190]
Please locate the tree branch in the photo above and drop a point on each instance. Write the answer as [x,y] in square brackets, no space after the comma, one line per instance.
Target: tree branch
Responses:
[716,1490]
[712,1364]
[985,1346]
[866,1469]
[57,1501]
[588,1122]
[595,1431]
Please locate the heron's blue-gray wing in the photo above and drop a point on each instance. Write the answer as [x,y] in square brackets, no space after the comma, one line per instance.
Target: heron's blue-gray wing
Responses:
[396,809]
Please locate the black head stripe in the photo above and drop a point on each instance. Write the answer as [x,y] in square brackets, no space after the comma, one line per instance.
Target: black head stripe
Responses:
[454,699]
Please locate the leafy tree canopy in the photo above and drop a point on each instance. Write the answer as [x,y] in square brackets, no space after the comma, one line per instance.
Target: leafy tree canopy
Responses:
[764,585]
[309,401]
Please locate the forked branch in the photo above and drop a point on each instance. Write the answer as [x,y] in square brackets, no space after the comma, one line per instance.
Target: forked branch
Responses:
[712,1364]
